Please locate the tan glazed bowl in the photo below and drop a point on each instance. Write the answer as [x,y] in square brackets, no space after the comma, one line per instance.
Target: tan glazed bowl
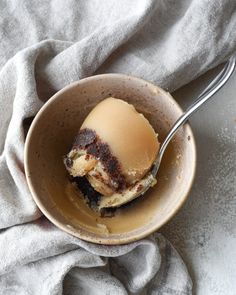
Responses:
[52,133]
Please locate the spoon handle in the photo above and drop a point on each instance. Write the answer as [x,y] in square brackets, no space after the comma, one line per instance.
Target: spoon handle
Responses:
[208,92]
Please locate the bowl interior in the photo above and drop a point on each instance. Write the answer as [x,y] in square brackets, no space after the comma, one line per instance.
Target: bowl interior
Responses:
[50,138]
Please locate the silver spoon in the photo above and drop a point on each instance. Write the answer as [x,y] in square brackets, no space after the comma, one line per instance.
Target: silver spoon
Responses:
[117,200]
[210,90]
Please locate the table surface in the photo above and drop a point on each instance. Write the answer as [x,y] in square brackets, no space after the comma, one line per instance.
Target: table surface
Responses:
[204,230]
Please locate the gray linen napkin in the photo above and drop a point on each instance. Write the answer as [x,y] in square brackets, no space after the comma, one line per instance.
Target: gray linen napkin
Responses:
[167,42]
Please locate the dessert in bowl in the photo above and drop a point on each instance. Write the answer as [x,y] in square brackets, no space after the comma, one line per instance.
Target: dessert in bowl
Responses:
[112,154]
[67,127]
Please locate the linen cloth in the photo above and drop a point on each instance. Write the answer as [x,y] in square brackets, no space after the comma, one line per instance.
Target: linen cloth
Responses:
[45,45]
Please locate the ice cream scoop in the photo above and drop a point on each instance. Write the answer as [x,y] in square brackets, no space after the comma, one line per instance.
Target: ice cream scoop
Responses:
[114,149]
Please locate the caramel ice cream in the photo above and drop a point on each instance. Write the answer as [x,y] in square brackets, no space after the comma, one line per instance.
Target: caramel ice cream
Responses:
[114,149]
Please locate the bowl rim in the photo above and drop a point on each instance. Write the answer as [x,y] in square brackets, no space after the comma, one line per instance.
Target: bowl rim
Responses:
[87,237]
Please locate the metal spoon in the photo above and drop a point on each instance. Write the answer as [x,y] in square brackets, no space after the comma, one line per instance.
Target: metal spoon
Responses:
[119,199]
[210,90]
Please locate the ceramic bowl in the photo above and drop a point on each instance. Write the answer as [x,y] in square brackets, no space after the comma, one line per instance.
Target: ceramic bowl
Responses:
[52,133]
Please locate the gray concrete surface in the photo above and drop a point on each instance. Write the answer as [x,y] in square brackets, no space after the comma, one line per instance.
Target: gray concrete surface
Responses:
[204,230]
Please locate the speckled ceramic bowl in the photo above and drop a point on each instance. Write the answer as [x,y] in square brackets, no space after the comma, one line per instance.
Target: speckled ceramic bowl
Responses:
[50,137]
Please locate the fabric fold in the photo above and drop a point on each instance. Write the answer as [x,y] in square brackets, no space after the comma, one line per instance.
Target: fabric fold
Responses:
[46,46]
